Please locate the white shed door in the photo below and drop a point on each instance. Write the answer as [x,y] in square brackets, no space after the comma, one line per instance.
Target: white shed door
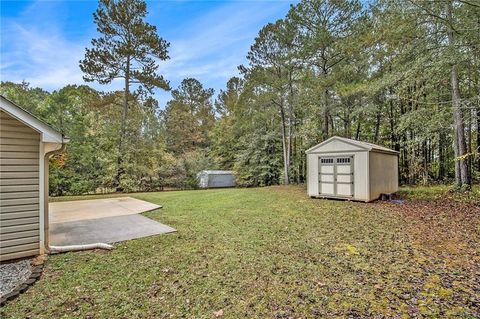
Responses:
[335,176]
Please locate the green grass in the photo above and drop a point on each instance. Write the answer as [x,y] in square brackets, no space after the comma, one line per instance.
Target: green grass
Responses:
[440,191]
[259,253]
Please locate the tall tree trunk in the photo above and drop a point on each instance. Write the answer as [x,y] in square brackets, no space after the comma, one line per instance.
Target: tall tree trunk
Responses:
[291,121]
[326,116]
[478,136]
[425,154]
[123,129]
[469,146]
[285,144]
[460,147]
[377,124]
[393,136]
[346,120]
[289,150]
[357,133]
[405,169]
[478,106]
[441,156]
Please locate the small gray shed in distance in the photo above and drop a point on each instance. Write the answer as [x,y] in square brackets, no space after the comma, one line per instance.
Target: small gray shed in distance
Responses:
[216,179]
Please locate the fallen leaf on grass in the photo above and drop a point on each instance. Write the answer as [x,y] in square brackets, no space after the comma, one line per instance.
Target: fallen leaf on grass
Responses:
[218,314]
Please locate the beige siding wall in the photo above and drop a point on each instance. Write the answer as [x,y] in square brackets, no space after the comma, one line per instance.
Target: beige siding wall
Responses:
[383,174]
[19,189]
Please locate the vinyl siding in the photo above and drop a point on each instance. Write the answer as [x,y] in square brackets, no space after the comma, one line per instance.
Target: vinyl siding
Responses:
[19,189]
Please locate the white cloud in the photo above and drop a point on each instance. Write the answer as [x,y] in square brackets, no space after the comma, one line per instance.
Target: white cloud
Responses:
[37,48]
[44,60]
[213,45]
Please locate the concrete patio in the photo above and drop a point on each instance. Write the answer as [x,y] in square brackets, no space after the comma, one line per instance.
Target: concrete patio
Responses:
[102,220]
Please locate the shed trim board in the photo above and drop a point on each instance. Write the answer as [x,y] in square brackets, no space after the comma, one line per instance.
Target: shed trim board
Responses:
[26,143]
[384,169]
[368,176]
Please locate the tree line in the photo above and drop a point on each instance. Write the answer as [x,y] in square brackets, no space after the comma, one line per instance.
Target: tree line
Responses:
[404,74]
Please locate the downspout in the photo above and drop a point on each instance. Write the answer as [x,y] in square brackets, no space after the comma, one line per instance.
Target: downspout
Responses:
[46,227]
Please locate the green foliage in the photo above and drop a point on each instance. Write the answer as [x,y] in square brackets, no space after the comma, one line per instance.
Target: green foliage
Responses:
[440,191]
[91,120]
[379,73]
[127,48]
[189,117]
[258,163]
[340,68]
[193,163]
[31,99]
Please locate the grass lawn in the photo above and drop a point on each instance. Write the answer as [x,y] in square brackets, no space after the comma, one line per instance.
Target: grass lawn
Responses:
[275,253]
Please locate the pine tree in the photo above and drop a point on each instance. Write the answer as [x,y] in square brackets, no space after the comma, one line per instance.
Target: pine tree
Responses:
[127,49]
[189,117]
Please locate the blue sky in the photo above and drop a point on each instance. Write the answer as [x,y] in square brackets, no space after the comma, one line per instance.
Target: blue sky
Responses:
[42,41]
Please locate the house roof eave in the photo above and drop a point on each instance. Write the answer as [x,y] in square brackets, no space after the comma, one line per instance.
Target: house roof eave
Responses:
[47,133]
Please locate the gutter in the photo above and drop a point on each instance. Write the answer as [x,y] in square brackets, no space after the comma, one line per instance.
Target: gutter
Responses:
[60,249]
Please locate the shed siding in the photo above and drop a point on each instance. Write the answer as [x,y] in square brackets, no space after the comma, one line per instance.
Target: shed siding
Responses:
[383,174]
[312,175]
[19,189]
[360,176]
[215,179]
[221,180]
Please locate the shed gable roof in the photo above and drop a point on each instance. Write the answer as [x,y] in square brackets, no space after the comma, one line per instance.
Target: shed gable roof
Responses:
[47,133]
[359,145]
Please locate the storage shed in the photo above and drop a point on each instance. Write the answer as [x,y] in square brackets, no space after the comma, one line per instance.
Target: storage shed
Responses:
[349,169]
[25,146]
[216,179]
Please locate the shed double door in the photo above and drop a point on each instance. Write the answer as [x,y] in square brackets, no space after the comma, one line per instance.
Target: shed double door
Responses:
[335,176]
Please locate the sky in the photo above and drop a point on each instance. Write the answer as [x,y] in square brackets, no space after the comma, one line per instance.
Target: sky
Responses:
[43,41]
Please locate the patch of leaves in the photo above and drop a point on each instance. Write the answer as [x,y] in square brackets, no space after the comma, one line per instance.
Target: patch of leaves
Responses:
[445,238]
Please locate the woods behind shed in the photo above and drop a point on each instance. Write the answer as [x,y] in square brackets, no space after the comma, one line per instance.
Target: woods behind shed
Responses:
[349,169]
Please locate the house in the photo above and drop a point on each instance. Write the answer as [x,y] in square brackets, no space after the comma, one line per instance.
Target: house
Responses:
[349,169]
[216,179]
[26,143]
